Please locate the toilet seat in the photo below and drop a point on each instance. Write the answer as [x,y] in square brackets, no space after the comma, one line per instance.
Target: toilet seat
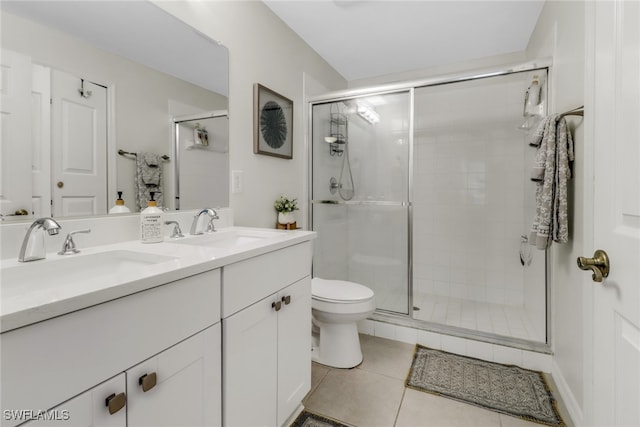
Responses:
[340,291]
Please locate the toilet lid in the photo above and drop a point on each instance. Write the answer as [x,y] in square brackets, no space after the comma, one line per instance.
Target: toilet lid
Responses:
[339,291]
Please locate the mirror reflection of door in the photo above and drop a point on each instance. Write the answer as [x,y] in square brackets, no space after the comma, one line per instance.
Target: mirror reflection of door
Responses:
[15,147]
[78,146]
[41,141]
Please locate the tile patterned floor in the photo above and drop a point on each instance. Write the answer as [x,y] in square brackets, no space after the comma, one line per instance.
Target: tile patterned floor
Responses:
[373,394]
[511,321]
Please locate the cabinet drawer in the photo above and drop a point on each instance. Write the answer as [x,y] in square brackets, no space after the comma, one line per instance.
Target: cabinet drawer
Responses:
[49,362]
[251,280]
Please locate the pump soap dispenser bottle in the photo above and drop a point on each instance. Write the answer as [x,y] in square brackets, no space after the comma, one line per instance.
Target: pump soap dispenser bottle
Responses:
[151,223]
[119,207]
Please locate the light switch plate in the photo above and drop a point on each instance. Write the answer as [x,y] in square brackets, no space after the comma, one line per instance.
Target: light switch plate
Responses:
[236,181]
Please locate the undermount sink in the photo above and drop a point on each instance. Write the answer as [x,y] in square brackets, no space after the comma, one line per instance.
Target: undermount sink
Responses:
[227,239]
[49,273]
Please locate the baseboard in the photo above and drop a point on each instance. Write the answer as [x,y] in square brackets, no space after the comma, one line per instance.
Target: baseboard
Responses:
[570,402]
[293,416]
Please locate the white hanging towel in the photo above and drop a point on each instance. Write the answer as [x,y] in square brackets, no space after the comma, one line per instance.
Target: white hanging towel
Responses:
[148,179]
[551,172]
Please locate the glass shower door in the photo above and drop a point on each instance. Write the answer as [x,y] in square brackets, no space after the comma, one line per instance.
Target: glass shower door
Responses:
[360,194]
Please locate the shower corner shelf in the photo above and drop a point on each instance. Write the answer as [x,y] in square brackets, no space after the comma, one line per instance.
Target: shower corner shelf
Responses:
[338,133]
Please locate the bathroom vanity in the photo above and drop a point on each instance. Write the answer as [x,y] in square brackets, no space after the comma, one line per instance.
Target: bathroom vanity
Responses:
[192,331]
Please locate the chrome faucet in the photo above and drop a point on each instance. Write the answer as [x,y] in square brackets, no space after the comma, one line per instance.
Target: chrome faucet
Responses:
[35,251]
[177,232]
[69,246]
[210,227]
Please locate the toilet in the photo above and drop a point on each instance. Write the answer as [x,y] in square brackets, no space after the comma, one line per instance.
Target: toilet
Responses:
[336,307]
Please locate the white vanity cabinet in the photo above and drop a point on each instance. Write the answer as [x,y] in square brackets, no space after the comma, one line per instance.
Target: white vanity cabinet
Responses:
[88,409]
[266,309]
[75,361]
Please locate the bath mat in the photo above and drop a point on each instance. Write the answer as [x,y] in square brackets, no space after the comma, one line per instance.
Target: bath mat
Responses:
[507,389]
[308,419]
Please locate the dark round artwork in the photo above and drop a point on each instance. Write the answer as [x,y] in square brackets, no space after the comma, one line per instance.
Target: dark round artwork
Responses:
[273,125]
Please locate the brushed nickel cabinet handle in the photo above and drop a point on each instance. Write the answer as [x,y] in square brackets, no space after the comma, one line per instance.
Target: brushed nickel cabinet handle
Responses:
[286,300]
[148,381]
[115,402]
[277,305]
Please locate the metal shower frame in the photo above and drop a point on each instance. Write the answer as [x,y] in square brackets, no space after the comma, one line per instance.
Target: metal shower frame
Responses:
[410,86]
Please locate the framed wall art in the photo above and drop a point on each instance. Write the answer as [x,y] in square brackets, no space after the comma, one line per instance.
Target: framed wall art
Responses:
[272,123]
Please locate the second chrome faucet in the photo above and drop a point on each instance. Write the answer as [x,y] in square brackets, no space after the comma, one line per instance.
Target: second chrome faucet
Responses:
[212,214]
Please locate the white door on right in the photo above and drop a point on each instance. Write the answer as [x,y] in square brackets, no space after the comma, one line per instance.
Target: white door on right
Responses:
[616,133]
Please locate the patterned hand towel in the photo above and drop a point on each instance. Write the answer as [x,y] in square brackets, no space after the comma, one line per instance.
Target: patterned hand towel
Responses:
[148,179]
[551,172]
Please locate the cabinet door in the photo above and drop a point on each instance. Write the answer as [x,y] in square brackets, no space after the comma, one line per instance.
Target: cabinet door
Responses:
[88,409]
[249,346]
[183,384]
[294,347]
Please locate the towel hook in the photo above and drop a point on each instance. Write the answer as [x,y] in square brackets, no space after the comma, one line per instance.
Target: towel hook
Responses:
[84,92]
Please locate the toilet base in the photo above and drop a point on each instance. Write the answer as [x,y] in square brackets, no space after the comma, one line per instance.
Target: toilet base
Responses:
[337,345]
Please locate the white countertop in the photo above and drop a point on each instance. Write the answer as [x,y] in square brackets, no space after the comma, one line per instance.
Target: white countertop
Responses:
[21,304]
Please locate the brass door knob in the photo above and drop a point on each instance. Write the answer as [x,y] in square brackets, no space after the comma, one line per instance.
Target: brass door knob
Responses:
[599,264]
[286,300]
[115,402]
[148,381]
[277,305]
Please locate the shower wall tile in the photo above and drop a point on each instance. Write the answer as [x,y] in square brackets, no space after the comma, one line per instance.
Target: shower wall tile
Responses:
[507,355]
[429,339]
[454,344]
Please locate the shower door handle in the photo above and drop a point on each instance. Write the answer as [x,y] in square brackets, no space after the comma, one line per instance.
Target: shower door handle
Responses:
[599,264]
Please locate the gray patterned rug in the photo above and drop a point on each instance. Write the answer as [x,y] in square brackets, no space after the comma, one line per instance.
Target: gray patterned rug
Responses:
[507,389]
[308,419]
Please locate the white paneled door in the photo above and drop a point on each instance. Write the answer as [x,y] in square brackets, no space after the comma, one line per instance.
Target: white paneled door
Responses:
[15,132]
[616,142]
[41,140]
[78,146]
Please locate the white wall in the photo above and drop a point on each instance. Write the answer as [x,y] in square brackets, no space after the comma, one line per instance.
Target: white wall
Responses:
[493,62]
[560,33]
[262,49]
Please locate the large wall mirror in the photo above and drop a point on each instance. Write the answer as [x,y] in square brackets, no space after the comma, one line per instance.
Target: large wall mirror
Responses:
[90,92]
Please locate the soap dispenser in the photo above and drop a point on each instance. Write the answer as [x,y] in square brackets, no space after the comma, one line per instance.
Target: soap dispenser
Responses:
[119,207]
[151,222]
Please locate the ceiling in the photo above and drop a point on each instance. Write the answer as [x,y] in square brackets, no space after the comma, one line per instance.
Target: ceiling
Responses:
[371,38]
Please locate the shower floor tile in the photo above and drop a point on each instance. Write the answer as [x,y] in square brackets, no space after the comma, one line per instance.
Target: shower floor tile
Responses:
[507,320]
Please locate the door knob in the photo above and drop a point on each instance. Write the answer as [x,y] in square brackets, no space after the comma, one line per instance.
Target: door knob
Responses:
[599,264]
[286,300]
[276,305]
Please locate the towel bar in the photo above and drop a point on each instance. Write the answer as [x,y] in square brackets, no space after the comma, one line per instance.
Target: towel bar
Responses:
[124,153]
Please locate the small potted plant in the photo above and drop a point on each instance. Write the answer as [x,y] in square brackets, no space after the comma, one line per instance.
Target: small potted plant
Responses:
[285,208]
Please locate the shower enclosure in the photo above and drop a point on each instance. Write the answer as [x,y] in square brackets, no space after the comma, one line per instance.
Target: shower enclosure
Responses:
[422,193]
[201,153]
